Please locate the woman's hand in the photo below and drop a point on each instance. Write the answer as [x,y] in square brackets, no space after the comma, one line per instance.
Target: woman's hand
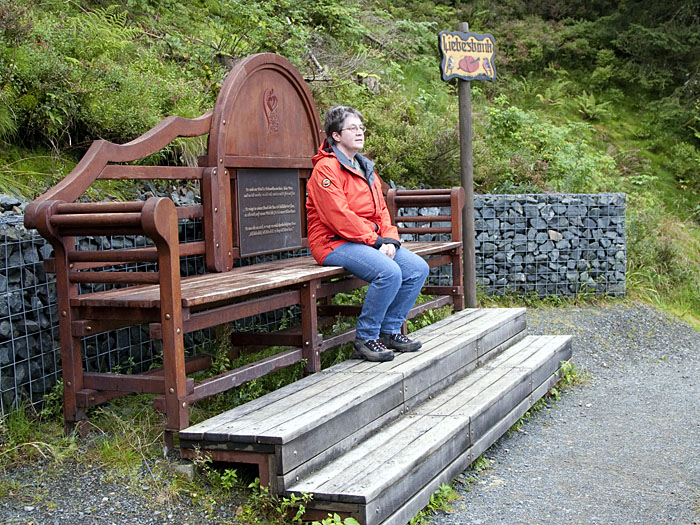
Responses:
[388,249]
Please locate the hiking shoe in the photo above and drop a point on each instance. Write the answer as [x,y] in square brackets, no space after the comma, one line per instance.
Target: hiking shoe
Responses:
[399,342]
[372,350]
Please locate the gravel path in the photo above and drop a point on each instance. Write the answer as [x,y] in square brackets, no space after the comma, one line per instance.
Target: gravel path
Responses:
[622,448]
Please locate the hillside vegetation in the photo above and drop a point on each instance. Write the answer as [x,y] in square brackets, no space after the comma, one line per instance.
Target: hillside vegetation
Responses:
[590,97]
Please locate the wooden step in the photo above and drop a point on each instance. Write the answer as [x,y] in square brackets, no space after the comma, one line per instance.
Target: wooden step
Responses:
[310,422]
[389,477]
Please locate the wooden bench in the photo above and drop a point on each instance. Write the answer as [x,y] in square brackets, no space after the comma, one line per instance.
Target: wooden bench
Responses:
[262,133]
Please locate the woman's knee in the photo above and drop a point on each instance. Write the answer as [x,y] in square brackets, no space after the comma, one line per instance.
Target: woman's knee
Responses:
[424,268]
[391,273]
[416,267]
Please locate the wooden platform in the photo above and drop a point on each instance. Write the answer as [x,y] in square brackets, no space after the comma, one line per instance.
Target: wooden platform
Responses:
[374,440]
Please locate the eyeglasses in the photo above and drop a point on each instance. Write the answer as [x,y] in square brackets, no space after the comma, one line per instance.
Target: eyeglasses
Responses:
[355,129]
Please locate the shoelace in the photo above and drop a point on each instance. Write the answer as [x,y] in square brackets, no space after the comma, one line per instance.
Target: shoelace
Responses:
[400,338]
[375,345]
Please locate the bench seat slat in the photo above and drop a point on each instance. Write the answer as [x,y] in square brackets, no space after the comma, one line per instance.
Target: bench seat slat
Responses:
[201,290]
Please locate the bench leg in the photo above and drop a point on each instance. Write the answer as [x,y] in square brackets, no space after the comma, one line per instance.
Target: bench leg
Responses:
[176,410]
[309,327]
[74,416]
[458,279]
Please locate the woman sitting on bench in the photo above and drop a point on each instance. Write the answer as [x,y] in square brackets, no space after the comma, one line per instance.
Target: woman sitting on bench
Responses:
[349,226]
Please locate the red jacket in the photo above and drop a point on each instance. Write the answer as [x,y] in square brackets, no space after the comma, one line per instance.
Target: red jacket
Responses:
[342,205]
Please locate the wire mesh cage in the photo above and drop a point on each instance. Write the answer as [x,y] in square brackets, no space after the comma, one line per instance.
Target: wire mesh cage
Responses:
[549,244]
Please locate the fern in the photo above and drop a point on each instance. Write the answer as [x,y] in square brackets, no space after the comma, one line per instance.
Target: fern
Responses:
[104,32]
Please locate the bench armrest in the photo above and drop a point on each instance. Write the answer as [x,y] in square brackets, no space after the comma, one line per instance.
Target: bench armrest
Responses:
[156,218]
[451,224]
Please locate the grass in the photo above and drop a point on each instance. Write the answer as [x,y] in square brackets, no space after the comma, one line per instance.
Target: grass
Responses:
[569,376]
[440,501]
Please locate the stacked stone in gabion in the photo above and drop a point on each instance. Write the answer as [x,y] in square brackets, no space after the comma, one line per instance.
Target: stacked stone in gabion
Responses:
[551,244]
[546,244]
[28,316]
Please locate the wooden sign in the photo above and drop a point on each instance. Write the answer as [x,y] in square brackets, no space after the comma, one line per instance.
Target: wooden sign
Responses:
[467,56]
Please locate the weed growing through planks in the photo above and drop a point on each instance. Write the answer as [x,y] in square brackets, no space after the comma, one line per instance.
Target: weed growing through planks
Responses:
[480,464]
[569,376]
[266,508]
[335,519]
[537,407]
[222,481]
[440,501]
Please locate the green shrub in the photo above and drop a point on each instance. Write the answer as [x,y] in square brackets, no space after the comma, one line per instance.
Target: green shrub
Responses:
[525,152]
[684,162]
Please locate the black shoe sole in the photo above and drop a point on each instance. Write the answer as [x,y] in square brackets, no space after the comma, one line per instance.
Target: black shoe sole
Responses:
[398,348]
[374,357]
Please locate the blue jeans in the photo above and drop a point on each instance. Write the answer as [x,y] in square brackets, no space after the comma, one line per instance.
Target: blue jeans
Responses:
[394,285]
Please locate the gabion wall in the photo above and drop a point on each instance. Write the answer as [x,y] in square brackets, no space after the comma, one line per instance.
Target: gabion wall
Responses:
[550,244]
[544,244]
[29,351]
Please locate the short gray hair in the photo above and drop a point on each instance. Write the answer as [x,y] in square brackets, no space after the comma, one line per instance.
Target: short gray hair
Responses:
[335,118]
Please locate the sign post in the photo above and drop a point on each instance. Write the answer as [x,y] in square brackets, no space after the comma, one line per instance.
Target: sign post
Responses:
[467,56]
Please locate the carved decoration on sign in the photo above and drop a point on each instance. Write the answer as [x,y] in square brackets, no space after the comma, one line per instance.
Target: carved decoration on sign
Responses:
[467,56]
[270,102]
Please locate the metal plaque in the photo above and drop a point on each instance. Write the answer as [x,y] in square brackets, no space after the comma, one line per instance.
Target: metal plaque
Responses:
[269,218]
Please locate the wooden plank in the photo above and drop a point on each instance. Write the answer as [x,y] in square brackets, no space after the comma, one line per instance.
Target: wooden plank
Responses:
[391,493]
[452,338]
[508,323]
[253,426]
[114,277]
[388,475]
[404,486]
[421,498]
[514,356]
[497,400]
[409,507]
[489,437]
[219,287]
[497,350]
[542,364]
[330,482]
[241,161]
[434,389]
[232,378]
[348,418]
[299,419]
[438,366]
[324,457]
[426,336]
[152,384]
[121,171]
[441,363]
[253,423]
[275,423]
[196,432]
[439,404]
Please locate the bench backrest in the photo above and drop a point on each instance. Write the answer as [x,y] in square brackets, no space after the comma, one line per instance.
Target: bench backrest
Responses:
[263,131]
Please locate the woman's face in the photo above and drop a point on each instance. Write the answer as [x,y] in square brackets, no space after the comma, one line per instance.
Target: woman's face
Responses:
[351,138]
